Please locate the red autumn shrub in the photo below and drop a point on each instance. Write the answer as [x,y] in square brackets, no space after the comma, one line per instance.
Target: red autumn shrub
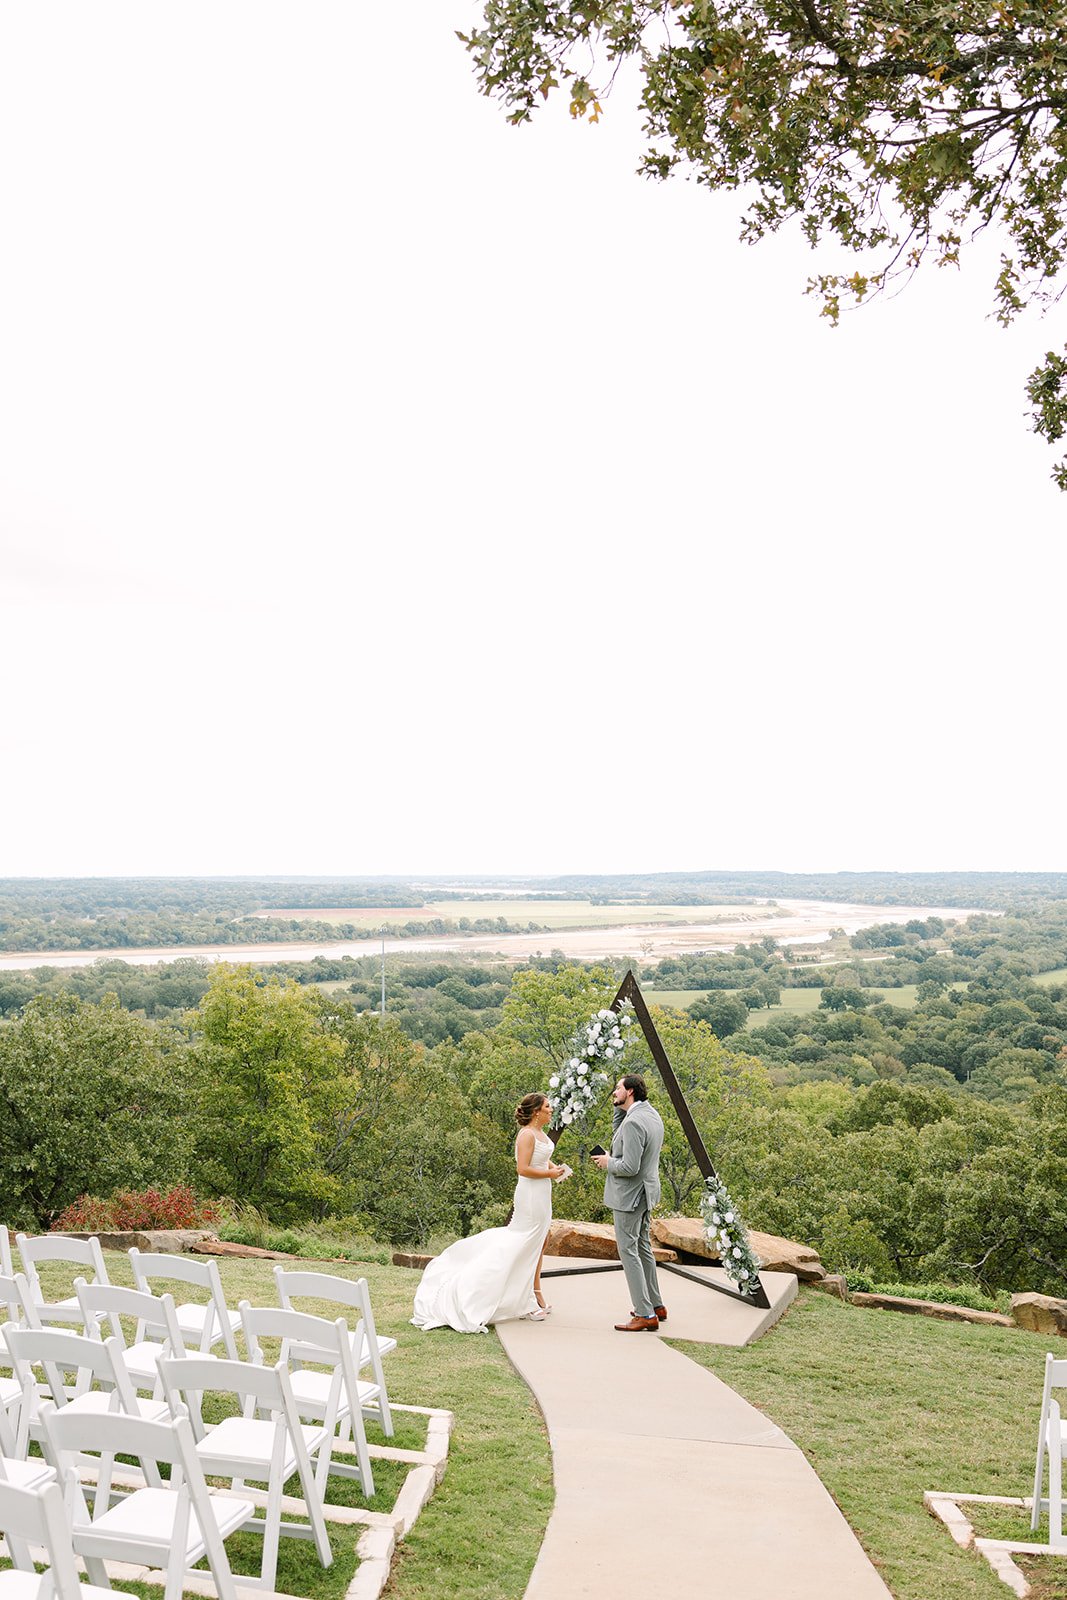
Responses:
[129,1209]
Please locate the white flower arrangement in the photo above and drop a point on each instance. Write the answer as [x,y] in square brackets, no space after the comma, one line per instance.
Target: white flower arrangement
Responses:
[582,1078]
[724,1229]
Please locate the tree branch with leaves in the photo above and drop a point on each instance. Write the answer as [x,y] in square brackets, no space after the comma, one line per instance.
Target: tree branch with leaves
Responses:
[899,129]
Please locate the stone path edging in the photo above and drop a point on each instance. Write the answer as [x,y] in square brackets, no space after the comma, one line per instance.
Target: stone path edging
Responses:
[998,1552]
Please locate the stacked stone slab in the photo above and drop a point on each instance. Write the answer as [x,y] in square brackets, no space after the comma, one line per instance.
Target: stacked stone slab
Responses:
[1040,1313]
[686,1236]
[681,1239]
[594,1241]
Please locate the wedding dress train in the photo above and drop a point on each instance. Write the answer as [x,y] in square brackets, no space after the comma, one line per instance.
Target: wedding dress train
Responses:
[490,1276]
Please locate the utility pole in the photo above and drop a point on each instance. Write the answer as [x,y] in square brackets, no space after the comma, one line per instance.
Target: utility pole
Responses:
[383,971]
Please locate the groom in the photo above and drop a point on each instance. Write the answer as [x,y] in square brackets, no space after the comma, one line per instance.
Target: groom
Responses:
[631,1189]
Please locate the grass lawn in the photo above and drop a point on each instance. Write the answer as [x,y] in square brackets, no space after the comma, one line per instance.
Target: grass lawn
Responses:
[479,1535]
[1058,975]
[886,1406]
[794,1002]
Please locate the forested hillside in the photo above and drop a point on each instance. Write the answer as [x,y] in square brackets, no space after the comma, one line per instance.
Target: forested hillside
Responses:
[912,1130]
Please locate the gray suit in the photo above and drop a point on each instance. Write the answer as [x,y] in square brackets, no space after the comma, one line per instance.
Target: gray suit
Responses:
[631,1189]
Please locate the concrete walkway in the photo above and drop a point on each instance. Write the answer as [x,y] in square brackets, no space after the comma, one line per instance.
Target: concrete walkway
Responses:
[667,1482]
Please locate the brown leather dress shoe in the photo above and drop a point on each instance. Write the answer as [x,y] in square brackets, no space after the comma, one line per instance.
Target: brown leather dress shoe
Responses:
[661,1313]
[638,1325]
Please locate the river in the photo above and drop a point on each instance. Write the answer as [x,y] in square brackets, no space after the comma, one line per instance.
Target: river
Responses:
[789,921]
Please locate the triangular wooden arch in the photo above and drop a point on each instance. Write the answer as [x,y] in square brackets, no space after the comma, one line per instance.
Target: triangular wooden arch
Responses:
[630,990]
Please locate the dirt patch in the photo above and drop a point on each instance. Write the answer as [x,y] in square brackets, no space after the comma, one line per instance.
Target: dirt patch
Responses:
[349,913]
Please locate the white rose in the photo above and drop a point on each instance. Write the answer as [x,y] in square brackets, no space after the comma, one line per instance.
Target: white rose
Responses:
[608,1053]
[715,1217]
[553,1083]
[568,1116]
[626,1019]
[729,1216]
[582,1070]
[737,1253]
[743,1273]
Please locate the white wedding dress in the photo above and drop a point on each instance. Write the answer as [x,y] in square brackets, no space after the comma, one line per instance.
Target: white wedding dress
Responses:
[490,1276]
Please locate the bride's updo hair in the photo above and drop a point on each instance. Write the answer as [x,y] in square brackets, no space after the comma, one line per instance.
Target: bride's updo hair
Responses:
[528,1107]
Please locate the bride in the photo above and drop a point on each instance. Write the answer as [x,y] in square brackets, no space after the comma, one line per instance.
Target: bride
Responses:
[496,1276]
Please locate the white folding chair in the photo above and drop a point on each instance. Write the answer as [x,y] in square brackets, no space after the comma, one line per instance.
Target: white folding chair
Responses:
[79,1253]
[203,1326]
[335,1398]
[29,1471]
[56,1352]
[1051,1442]
[38,1517]
[21,1469]
[7,1269]
[17,1303]
[141,1358]
[368,1345]
[251,1448]
[170,1527]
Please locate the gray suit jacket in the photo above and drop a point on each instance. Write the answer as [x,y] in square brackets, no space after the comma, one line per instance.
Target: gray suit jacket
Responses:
[632,1173]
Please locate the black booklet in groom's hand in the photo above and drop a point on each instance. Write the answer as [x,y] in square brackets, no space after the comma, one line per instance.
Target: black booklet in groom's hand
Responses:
[598,1150]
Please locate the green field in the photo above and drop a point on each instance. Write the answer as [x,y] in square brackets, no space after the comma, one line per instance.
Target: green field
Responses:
[1058,975]
[886,1407]
[548,913]
[794,1002]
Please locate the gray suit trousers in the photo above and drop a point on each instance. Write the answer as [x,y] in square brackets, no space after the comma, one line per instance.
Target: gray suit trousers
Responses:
[639,1264]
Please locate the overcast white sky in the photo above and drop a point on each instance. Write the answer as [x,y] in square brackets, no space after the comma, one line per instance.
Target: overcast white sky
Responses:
[384,489]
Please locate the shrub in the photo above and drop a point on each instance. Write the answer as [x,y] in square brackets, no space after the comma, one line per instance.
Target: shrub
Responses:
[945,1294]
[246,1225]
[338,1239]
[130,1209]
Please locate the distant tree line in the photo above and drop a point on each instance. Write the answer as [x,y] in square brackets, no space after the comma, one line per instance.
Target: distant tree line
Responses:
[119,913]
[991,890]
[140,930]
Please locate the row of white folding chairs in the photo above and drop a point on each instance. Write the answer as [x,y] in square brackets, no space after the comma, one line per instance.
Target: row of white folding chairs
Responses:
[239,1447]
[304,1339]
[338,1398]
[202,1326]
[169,1525]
